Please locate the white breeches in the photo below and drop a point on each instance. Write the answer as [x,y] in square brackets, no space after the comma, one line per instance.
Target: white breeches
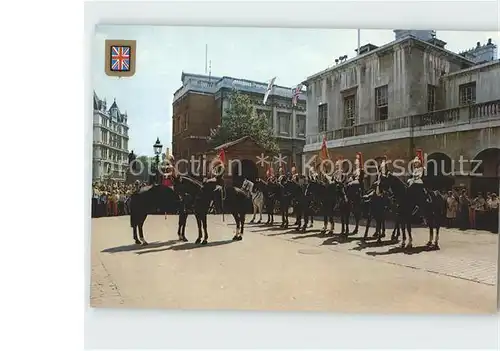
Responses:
[415,181]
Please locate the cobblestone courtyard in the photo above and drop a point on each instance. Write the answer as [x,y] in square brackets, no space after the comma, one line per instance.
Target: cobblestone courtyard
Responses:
[275,269]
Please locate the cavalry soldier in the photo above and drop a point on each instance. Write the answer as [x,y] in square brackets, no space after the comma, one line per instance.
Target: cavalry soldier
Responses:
[170,173]
[294,172]
[270,175]
[281,174]
[382,171]
[312,173]
[338,174]
[356,175]
[415,182]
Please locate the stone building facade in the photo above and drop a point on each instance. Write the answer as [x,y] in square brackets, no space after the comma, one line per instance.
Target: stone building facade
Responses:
[110,141]
[200,104]
[411,93]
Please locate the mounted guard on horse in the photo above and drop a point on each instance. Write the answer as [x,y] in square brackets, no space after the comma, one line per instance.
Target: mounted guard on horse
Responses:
[416,187]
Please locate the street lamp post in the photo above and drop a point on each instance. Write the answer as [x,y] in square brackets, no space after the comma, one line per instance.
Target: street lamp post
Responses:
[157,147]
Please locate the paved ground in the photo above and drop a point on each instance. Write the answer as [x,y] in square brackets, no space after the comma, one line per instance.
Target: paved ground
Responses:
[276,269]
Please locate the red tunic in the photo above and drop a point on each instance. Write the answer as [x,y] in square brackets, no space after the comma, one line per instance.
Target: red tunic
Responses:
[167,181]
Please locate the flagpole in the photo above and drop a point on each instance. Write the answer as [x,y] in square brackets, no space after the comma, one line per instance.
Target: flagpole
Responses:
[359,40]
[206,58]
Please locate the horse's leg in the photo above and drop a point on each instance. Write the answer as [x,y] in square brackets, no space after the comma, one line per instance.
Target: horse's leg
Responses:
[382,224]
[306,219]
[184,223]
[357,216]
[237,221]
[312,221]
[347,218]
[378,229]
[325,222]
[198,222]
[436,243]
[179,226]
[410,237]
[260,213]
[204,223]
[136,239]
[254,212]
[368,222]
[141,234]
[298,215]
[403,226]
[332,225]
[242,223]
[431,235]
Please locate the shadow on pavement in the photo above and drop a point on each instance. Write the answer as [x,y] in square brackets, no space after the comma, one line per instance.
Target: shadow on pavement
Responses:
[187,246]
[316,233]
[367,244]
[135,247]
[340,239]
[407,251]
[269,229]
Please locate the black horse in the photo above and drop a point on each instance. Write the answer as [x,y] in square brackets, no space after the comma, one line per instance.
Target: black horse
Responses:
[376,209]
[354,193]
[148,200]
[236,201]
[295,188]
[270,191]
[433,211]
[196,197]
[321,198]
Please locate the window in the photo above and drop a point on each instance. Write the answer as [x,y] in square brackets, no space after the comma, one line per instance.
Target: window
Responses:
[322,117]
[186,118]
[431,98]
[301,125]
[382,103]
[467,93]
[104,136]
[284,123]
[349,110]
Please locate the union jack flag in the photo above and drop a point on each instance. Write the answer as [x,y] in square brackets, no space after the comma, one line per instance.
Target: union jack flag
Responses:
[295,94]
[120,58]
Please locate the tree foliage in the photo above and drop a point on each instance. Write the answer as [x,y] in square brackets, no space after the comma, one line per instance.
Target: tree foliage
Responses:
[240,120]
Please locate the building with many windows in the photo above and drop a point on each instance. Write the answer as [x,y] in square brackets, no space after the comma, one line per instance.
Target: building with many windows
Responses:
[110,141]
[409,94]
[200,104]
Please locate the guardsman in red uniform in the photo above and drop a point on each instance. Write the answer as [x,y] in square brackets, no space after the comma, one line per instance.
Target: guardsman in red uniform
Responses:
[270,174]
[295,174]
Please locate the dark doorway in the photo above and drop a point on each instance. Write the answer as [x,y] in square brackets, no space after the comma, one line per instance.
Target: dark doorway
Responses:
[485,169]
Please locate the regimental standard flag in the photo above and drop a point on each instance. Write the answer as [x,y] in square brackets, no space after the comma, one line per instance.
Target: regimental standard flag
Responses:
[323,152]
[295,94]
[268,90]
[120,58]
[222,156]
[420,156]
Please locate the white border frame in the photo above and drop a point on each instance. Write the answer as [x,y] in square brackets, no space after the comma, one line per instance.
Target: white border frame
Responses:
[160,328]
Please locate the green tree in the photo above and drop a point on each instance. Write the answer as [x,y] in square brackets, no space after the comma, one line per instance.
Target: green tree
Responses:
[240,120]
